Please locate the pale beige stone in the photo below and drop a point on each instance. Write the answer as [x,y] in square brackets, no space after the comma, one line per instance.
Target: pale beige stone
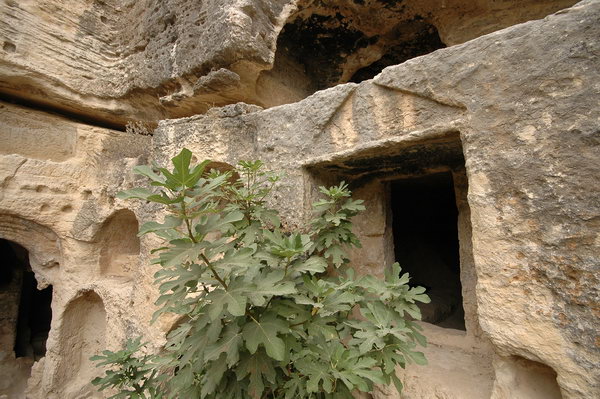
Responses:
[527,196]
[511,116]
[116,60]
[58,208]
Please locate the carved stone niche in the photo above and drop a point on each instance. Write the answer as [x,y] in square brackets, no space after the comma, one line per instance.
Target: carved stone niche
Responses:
[82,334]
[119,244]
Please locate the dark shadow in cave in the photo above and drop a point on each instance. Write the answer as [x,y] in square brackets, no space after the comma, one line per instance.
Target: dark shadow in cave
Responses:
[29,321]
[322,45]
[426,243]
[416,38]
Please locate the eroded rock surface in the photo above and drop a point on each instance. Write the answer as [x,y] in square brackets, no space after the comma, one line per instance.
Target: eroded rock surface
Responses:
[56,205]
[511,118]
[117,60]
[520,106]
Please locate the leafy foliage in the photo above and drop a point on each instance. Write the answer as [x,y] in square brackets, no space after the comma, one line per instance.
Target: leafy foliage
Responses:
[135,377]
[267,313]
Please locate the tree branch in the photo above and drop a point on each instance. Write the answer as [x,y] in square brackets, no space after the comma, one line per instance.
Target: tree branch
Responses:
[214,272]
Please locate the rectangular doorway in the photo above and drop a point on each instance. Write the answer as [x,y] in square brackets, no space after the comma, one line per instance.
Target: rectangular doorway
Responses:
[426,243]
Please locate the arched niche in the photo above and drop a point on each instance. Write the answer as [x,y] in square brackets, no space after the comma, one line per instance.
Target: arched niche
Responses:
[82,334]
[43,245]
[25,318]
[517,377]
[119,244]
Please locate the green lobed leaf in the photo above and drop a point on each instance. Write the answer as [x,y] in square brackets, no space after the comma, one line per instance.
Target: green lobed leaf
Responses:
[170,223]
[317,373]
[312,265]
[281,327]
[148,171]
[264,332]
[213,374]
[269,284]
[233,299]
[260,368]
[229,344]
[216,222]
[182,251]
[397,383]
[182,176]
[138,193]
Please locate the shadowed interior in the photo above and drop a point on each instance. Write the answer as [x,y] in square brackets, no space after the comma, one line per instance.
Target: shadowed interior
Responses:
[27,312]
[426,243]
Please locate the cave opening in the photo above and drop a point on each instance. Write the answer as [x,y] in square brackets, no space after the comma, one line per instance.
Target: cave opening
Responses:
[425,231]
[322,45]
[333,49]
[411,39]
[26,310]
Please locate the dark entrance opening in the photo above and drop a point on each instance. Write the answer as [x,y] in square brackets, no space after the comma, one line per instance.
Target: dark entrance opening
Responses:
[322,46]
[413,39]
[27,311]
[426,243]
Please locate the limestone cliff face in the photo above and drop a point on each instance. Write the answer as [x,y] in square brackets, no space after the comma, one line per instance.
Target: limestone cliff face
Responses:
[515,112]
[117,60]
[510,118]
